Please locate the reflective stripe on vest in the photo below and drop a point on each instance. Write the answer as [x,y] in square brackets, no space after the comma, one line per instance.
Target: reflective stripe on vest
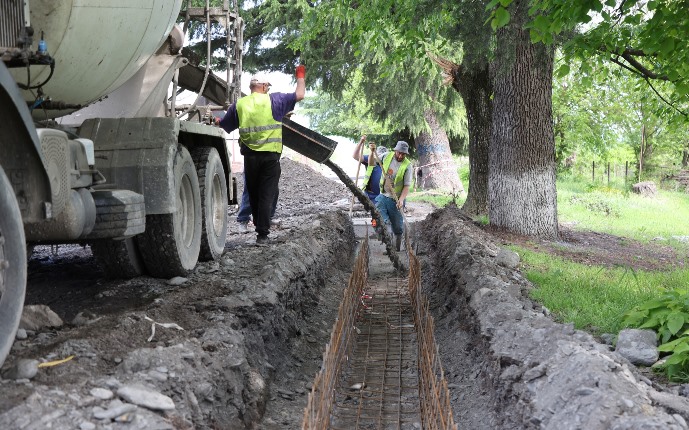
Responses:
[399,177]
[258,130]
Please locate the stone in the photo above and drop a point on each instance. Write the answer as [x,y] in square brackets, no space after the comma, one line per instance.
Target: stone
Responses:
[607,338]
[113,412]
[37,317]
[23,369]
[87,425]
[645,189]
[638,346]
[177,280]
[21,334]
[101,393]
[507,258]
[83,318]
[670,401]
[145,397]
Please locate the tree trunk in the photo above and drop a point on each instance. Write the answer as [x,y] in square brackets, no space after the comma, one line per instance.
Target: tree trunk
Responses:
[685,158]
[437,169]
[474,86]
[642,151]
[521,180]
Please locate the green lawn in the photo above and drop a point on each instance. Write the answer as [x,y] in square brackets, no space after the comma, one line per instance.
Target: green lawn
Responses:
[610,210]
[594,297]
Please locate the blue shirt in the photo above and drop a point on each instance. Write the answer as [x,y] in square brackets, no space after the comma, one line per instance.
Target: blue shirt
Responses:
[373,185]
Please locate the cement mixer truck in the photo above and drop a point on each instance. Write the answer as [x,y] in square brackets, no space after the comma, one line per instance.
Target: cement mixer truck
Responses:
[95,149]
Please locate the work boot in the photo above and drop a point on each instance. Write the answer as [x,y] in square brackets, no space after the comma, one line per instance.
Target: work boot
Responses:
[398,242]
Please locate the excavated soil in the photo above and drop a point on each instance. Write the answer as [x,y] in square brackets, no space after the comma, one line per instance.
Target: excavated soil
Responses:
[256,323]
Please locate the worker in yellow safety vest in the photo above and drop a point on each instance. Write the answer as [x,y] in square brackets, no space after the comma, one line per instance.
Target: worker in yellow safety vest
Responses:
[258,117]
[396,178]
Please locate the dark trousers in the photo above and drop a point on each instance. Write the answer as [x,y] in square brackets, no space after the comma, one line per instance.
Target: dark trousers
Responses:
[262,176]
[244,213]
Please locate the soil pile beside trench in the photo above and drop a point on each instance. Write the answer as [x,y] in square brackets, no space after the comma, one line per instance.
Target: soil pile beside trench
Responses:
[511,366]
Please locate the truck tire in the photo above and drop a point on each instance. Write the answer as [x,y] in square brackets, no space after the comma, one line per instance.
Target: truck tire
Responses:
[12,266]
[213,187]
[171,244]
[119,214]
[119,259]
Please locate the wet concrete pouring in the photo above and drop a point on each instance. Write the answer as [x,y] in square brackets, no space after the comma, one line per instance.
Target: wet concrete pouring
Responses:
[252,330]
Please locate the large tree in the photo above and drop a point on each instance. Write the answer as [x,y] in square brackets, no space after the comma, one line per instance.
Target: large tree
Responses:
[522,192]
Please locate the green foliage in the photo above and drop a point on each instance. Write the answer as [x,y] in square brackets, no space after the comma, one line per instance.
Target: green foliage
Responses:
[387,43]
[608,126]
[668,316]
[641,36]
[348,116]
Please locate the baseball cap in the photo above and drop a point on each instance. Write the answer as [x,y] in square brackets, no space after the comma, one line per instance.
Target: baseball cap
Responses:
[259,78]
[402,146]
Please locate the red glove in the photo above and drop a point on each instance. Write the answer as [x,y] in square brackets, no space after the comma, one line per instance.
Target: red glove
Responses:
[301,71]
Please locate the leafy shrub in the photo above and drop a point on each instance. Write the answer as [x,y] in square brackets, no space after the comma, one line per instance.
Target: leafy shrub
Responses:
[596,203]
[668,315]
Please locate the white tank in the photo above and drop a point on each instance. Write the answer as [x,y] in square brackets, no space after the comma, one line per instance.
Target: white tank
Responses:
[97,44]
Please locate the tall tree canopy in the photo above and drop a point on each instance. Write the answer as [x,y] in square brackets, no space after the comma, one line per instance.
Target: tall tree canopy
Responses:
[338,41]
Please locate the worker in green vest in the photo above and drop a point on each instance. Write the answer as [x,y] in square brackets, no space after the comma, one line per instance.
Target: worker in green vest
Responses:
[395,181]
[259,119]
[371,185]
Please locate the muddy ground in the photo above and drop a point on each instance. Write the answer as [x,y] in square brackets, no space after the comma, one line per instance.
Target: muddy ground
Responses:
[256,323]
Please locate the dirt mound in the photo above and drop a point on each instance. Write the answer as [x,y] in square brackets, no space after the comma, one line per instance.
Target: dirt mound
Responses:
[510,366]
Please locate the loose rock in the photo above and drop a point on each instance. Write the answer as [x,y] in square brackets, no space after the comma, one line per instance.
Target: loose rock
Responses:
[638,346]
[36,317]
[23,369]
[145,397]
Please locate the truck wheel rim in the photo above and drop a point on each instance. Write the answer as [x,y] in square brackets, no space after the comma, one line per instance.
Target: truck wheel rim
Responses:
[185,211]
[3,264]
[217,206]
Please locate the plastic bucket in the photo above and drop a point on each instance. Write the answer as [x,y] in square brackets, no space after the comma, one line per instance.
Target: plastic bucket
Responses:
[307,142]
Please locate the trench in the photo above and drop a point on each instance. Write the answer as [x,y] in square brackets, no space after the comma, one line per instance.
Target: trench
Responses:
[381,368]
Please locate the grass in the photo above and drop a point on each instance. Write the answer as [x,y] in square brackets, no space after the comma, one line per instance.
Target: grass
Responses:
[593,298]
[614,211]
[438,200]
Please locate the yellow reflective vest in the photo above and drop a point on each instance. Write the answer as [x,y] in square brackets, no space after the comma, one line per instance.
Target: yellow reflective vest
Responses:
[367,176]
[258,130]
[399,177]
